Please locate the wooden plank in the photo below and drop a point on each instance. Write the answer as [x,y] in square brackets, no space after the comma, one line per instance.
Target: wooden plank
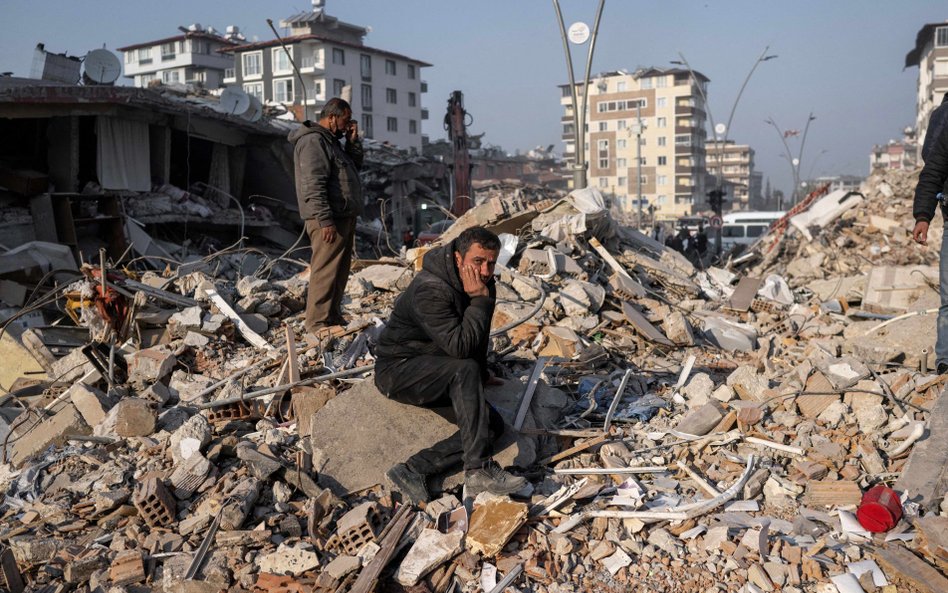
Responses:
[744,294]
[617,267]
[832,493]
[644,326]
[901,563]
[248,334]
[581,446]
[293,364]
[528,392]
[10,577]
[615,401]
[925,475]
[388,542]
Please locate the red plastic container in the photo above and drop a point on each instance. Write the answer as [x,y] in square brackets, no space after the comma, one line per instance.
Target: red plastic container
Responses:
[880,509]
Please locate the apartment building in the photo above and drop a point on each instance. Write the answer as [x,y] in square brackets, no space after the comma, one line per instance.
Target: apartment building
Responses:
[734,163]
[194,57]
[672,111]
[331,54]
[930,56]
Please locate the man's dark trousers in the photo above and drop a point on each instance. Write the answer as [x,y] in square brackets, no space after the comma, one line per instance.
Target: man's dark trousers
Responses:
[442,381]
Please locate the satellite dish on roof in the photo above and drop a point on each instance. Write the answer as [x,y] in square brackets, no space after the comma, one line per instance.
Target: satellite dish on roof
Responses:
[101,67]
[255,112]
[234,101]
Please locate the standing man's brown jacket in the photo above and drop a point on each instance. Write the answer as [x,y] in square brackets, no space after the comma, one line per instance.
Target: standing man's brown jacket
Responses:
[327,175]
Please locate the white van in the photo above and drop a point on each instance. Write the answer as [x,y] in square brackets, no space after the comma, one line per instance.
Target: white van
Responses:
[743,228]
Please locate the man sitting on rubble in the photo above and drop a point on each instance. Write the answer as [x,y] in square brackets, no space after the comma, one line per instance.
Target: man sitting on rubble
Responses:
[433,353]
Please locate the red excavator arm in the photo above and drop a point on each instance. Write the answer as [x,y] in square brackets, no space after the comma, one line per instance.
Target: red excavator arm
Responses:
[455,122]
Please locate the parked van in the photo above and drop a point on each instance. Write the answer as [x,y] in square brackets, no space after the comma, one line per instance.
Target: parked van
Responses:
[743,228]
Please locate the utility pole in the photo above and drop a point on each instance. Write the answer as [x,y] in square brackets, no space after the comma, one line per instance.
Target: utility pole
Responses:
[579,34]
[637,128]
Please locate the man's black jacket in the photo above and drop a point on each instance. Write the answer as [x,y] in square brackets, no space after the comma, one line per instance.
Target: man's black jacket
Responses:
[932,179]
[434,316]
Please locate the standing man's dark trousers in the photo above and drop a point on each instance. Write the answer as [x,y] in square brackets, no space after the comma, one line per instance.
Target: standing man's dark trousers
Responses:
[441,381]
[328,273]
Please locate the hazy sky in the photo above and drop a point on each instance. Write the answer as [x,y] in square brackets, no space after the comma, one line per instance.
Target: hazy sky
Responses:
[842,60]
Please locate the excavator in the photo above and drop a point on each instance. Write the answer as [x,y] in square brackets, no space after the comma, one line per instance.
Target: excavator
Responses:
[456,121]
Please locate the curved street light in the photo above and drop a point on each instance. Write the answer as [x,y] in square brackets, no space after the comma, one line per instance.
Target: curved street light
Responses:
[579,119]
[717,203]
[794,163]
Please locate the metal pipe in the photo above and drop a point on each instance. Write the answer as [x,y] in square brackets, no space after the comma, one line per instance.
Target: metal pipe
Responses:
[289,56]
[923,363]
[579,136]
[287,386]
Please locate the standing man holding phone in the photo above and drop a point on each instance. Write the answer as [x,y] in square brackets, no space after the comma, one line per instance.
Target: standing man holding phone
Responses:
[329,193]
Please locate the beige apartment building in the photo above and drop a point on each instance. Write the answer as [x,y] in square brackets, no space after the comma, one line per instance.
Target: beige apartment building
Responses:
[735,164]
[930,55]
[673,136]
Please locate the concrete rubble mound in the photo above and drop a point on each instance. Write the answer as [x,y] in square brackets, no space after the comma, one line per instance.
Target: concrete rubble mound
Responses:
[769,425]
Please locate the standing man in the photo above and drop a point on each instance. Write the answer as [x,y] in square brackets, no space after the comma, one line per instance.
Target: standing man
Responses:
[929,193]
[433,353]
[329,193]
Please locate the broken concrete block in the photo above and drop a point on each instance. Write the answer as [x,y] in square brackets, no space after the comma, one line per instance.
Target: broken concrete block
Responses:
[386,277]
[306,401]
[700,421]
[157,392]
[261,466]
[154,503]
[128,567]
[189,318]
[748,383]
[430,550]
[91,403]
[188,387]
[189,438]
[196,340]
[493,524]
[294,560]
[151,364]
[561,342]
[698,390]
[617,561]
[133,417]
[256,322]
[723,393]
[833,414]
[730,335]
[249,285]
[242,498]
[50,431]
[343,565]
[678,330]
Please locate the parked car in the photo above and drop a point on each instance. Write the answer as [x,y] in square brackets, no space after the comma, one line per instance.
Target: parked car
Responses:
[433,232]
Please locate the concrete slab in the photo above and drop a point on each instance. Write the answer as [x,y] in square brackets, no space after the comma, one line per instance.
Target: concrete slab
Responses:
[362,434]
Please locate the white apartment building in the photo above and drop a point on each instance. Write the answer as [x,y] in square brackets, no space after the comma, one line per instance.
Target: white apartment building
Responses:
[735,164]
[673,137]
[194,56]
[930,56]
[386,86]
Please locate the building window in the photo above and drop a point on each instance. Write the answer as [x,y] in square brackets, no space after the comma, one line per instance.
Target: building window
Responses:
[391,124]
[199,46]
[283,90]
[627,105]
[645,83]
[317,88]
[568,129]
[621,143]
[643,179]
[661,122]
[144,55]
[603,126]
[167,51]
[170,76]
[412,100]
[661,82]
[662,140]
[412,126]
[367,125]
[252,64]
[567,91]
[661,180]
[391,97]
[622,164]
[254,89]
[281,61]
[365,65]
[662,161]
[337,86]
[367,97]
[620,88]
[661,102]
[642,161]
[411,71]
[604,182]
[602,151]
[390,67]
[660,200]
[941,37]
[338,56]
[147,78]
[621,181]
[683,140]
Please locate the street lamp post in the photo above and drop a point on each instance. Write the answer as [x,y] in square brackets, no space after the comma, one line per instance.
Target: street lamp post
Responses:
[794,162]
[579,119]
[637,128]
[717,195]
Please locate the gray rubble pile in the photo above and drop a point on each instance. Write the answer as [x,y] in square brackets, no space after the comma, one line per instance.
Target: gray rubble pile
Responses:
[682,429]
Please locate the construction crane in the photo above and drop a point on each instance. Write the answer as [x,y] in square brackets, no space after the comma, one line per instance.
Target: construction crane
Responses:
[456,122]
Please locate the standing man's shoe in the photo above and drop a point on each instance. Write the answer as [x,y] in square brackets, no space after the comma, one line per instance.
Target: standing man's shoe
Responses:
[411,484]
[491,478]
[942,368]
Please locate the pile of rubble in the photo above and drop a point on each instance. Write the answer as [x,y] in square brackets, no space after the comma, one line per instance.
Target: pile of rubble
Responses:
[682,430]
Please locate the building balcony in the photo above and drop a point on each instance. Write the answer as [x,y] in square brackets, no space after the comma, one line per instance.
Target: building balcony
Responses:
[309,65]
[684,189]
[689,111]
[685,129]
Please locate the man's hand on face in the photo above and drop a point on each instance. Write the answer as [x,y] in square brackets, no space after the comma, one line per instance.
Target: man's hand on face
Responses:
[329,233]
[920,232]
[472,283]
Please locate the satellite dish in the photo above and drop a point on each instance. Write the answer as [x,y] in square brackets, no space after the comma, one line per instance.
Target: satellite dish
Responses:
[101,67]
[255,111]
[234,101]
